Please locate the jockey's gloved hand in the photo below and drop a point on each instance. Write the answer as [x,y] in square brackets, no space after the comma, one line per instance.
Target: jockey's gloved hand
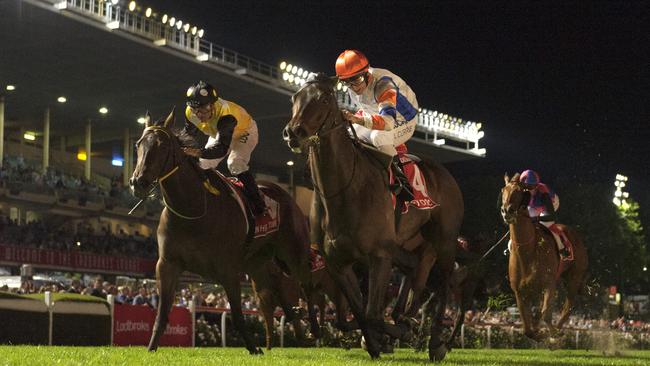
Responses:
[535,219]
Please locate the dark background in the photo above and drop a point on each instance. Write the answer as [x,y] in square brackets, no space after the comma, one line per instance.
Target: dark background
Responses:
[561,87]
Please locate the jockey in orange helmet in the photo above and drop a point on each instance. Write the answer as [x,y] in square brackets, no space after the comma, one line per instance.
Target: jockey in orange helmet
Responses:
[542,207]
[387,109]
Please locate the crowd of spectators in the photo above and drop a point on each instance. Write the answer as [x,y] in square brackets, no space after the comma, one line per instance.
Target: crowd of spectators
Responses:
[36,234]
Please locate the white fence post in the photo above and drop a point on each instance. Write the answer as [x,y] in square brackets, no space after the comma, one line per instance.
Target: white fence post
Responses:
[111,306]
[512,336]
[223,329]
[192,307]
[282,320]
[462,336]
[489,336]
[577,339]
[48,303]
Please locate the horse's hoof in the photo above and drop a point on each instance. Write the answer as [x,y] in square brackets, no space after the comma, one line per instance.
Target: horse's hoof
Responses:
[256,351]
[438,354]
[152,349]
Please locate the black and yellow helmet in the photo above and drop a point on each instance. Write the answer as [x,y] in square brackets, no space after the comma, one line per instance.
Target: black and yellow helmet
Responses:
[200,94]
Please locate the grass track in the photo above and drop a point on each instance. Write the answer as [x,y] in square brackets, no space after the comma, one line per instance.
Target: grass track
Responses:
[43,355]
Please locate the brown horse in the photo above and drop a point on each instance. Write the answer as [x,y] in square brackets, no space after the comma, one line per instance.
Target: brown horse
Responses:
[359,220]
[204,231]
[534,262]
[275,288]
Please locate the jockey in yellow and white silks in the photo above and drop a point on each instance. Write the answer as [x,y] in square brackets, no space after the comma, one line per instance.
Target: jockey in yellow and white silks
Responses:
[387,112]
[231,130]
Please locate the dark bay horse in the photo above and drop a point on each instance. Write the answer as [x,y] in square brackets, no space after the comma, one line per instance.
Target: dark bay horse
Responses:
[359,220]
[275,288]
[204,231]
[534,262]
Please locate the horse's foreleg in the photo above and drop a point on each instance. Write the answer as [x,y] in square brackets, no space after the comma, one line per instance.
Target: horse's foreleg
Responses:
[167,279]
[420,281]
[314,327]
[438,348]
[526,316]
[547,309]
[402,298]
[349,285]
[378,278]
[233,291]
[267,307]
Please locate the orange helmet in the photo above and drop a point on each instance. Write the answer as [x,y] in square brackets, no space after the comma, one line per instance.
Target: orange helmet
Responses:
[351,63]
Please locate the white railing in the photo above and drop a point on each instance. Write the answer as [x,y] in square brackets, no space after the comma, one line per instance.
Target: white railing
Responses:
[434,128]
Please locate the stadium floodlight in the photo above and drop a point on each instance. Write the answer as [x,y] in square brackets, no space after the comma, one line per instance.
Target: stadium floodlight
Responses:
[148,12]
[79,243]
[345,88]
[194,29]
[117,161]
[289,66]
[291,78]
[186,27]
[172,21]
[142,120]
[645,268]
[114,2]
[61,99]
[132,5]
[103,110]
[339,86]
[300,70]
[81,155]
[203,57]
[29,136]
[164,19]
[61,5]
[305,74]
[200,33]
[285,76]
[283,65]
[179,24]
[290,163]
[294,70]
[439,142]
[10,87]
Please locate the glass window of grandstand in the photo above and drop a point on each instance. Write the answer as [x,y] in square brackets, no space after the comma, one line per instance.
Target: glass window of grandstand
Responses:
[14,215]
[31,216]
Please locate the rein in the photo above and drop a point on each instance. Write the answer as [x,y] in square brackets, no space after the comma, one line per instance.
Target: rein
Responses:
[169,174]
[315,141]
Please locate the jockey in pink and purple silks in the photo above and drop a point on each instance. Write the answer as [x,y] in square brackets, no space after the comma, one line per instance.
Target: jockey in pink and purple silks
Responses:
[542,207]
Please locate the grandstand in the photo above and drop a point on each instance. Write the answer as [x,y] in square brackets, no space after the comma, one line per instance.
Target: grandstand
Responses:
[78,75]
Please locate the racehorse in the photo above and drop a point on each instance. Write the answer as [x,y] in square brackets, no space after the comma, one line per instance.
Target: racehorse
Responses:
[534,263]
[276,288]
[204,227]
[359,220]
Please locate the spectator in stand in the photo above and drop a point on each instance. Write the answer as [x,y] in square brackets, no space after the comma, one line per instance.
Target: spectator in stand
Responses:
[98,289]
[124,295]
[141,298]
[154,298]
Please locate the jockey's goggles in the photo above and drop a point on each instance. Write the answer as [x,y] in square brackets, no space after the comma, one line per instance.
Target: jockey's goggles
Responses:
[355,80]
[205,108]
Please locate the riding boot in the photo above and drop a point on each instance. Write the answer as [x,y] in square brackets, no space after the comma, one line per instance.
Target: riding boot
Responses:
[402,188]
[252,192]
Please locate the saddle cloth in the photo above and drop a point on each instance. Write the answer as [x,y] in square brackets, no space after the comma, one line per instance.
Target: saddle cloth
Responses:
[264,224]
[422,201]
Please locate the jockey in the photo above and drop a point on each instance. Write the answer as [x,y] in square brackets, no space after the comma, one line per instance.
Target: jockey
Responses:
[542,207]
[387,110]
[231,130]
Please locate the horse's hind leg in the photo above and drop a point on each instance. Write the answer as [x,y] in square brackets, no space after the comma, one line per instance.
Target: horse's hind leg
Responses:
[167,275]
[573,285]
[547,309]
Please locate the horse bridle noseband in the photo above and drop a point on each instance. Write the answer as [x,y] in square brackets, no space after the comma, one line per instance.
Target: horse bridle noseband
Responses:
[160,179]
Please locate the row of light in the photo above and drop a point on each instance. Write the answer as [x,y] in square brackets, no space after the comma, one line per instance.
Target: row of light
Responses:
[619,195]
[166,19]
[61,99]
[293,74]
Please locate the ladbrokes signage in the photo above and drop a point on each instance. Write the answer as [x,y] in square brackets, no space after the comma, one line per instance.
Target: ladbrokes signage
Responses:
[133,325]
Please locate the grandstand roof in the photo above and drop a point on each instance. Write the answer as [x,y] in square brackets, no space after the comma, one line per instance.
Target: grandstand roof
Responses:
[47,55]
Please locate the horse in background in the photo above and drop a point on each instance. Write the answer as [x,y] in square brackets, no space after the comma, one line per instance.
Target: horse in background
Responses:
[274,287]
[204,226]
[534,263]
[359,217]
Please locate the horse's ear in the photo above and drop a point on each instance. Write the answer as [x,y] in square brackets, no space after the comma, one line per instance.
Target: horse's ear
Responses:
[506,178]
[515,178]
[169,121]
[147,119]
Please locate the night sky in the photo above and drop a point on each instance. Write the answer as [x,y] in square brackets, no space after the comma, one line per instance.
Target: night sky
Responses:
[562,88]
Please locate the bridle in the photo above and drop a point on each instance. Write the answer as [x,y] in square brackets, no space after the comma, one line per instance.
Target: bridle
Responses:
[172,171]
[314,140]
[522,205]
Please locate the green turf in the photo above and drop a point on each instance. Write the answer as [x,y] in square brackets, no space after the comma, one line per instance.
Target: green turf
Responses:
[32,355]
